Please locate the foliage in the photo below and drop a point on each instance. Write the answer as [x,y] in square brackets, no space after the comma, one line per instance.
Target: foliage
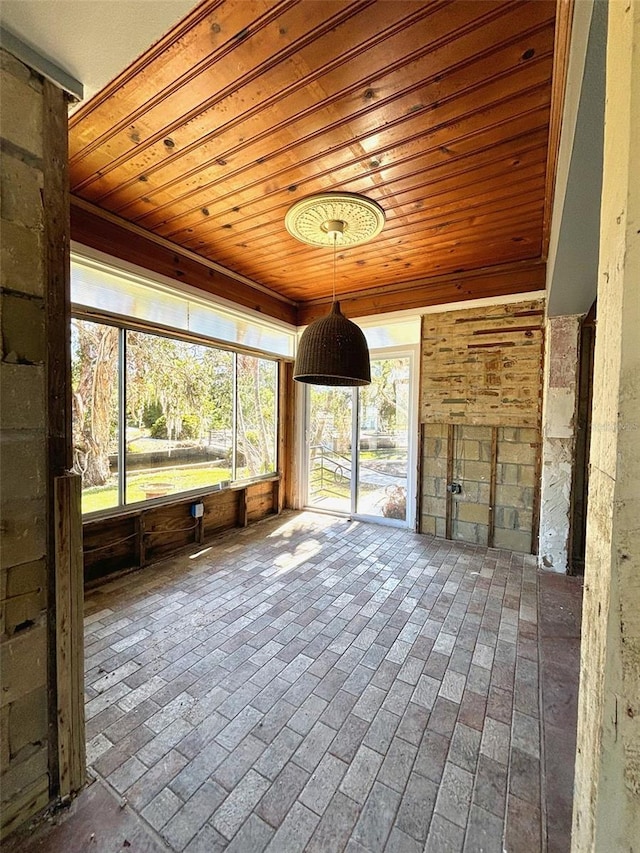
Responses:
[159,428]
[94,399]
[189,427]
[256,415]
[150,414]
[395,503]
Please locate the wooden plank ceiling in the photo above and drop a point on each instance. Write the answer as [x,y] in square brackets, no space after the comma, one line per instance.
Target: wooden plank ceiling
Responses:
[439,111]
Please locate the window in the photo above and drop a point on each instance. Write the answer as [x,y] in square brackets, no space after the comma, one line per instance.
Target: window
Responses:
[180,415]
[256,414]
[174,306]
[94,381]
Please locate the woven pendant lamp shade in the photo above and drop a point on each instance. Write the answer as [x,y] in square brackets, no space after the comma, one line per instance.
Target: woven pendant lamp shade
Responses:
[333,351]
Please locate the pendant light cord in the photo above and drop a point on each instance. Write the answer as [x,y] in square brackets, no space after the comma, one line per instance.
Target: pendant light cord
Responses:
[335,240]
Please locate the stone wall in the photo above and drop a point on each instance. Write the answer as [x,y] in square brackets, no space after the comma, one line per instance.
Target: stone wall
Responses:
[481,408]
[32,112]
[516,486]
[495,468]
[471,457]
[483,366]
[435,451]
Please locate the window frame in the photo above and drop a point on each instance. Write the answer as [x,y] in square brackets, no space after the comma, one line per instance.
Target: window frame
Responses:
[124,324]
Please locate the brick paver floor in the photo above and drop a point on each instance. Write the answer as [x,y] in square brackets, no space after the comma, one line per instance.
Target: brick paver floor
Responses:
[323,685]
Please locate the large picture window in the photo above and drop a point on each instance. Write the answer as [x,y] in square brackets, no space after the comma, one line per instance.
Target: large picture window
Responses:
[156,415]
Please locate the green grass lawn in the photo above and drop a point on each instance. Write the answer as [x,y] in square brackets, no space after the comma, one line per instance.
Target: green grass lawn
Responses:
[177,480]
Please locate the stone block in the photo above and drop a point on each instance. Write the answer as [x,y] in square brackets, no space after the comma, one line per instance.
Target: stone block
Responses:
[526,475]
[23,333]
[512,540]
[464,531]
[517,452]
[485,451]
[21,259]
[434,506]
[473,512]
[434,447]
[436,431]
[441,527]
[28,721]
[428,525]
[23,463]
[528,436]
[10,65]
[435,487]
[21,612]
[22,595]
[506,517]
[470,489]
[436,467]
[476,471]
[478,433]
[507,474]
[5,751]
[23,531]
[24,578]
[441,486]
[429,486]
[22,184]
[483,493]
[514,496]
[524,519]
[21,110]
[470,449]
[23,663]
[22,393]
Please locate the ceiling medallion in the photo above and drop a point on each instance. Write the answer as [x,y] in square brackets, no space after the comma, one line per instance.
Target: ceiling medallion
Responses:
[311,220]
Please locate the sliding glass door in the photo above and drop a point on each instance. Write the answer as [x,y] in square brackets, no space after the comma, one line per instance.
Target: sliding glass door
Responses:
[329,441]
[383,440]
[359,444]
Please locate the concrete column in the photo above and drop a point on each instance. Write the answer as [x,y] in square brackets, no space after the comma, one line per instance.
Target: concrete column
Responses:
[607,782]
[558,439]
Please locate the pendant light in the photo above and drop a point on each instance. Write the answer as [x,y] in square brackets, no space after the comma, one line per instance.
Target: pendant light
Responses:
[333,350]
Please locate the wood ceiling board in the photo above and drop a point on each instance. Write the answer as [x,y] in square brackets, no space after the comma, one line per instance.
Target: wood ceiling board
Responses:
[123,100]
[292,165]
[250,106]
[280,196]
[433,216]
[415,204]
[269,223]
[239,90]
[225,142]
[355,270]
[266,205]
[440,290]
